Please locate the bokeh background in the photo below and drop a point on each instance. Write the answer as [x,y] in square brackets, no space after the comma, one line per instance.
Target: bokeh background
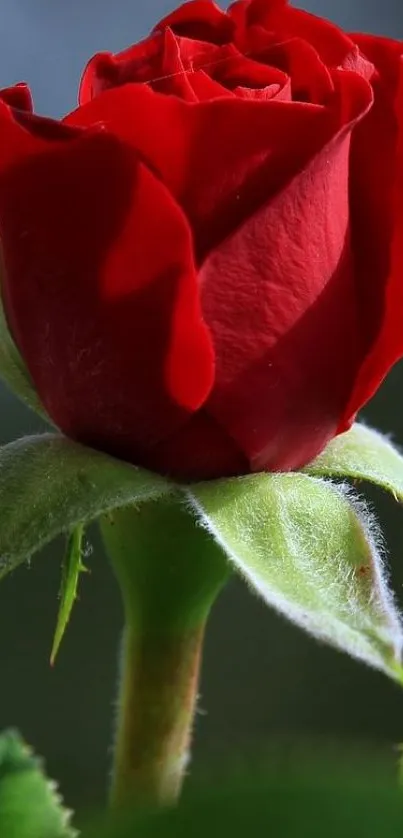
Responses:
[262,678]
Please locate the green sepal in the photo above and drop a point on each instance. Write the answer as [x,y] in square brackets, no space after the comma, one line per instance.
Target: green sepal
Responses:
[72,568]
[30,805]
[49,485]
[362,454]
[311,550]
[13,370]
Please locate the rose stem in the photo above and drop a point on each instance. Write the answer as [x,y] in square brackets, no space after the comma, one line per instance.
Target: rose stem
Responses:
[170,572]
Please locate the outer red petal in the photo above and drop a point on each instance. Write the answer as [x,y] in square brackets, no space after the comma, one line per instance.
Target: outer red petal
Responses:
[18,96]
[100,287]
[200,450]
[239,11]
[279,298]
[139,62]
[330,42]
[220,159]
[377,212]
[200,19]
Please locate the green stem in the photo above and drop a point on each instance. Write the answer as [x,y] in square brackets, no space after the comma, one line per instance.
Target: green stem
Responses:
[159,688]
[170,573]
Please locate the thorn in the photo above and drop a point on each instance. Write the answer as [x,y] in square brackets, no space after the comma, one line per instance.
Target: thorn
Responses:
[82,568]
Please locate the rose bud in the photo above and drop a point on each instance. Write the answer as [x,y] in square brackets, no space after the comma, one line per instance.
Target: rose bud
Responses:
[203,262]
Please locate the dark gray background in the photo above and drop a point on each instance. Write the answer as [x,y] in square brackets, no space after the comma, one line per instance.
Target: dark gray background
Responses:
[262,678]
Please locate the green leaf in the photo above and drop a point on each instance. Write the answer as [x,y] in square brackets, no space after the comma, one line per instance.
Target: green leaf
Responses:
[305,802]
[312,551]
[13,370]
[30,806]
[400,766]
[49,485]
[362,454]
[72,568]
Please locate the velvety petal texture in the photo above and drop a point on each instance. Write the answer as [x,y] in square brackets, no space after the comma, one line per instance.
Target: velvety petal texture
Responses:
[203,261]
[376,196]
[91,290]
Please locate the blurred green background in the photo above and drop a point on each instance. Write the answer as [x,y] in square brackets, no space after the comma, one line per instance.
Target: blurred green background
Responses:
[263,680]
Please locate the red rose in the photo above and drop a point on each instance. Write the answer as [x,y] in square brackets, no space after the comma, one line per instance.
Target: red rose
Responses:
[203,263]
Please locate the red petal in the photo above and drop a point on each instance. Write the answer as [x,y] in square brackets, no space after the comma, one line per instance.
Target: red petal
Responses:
[156,61]
[205,88]
[199,19]
[330,42]
[100,289]
[169,64]
[310,79]
[174,76]
[220,159]
[19,96]
[200,450]
[377,216]
[273,91]
[139,62]
[239,11]
[233,69]
[279,298]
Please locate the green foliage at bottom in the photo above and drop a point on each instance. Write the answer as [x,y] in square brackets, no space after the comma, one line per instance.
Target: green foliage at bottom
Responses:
[305,803]
[30,806]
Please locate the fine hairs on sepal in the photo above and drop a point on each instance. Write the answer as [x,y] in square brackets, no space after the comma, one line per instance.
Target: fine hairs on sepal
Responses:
[313,550]
[380,594]
[364,454]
